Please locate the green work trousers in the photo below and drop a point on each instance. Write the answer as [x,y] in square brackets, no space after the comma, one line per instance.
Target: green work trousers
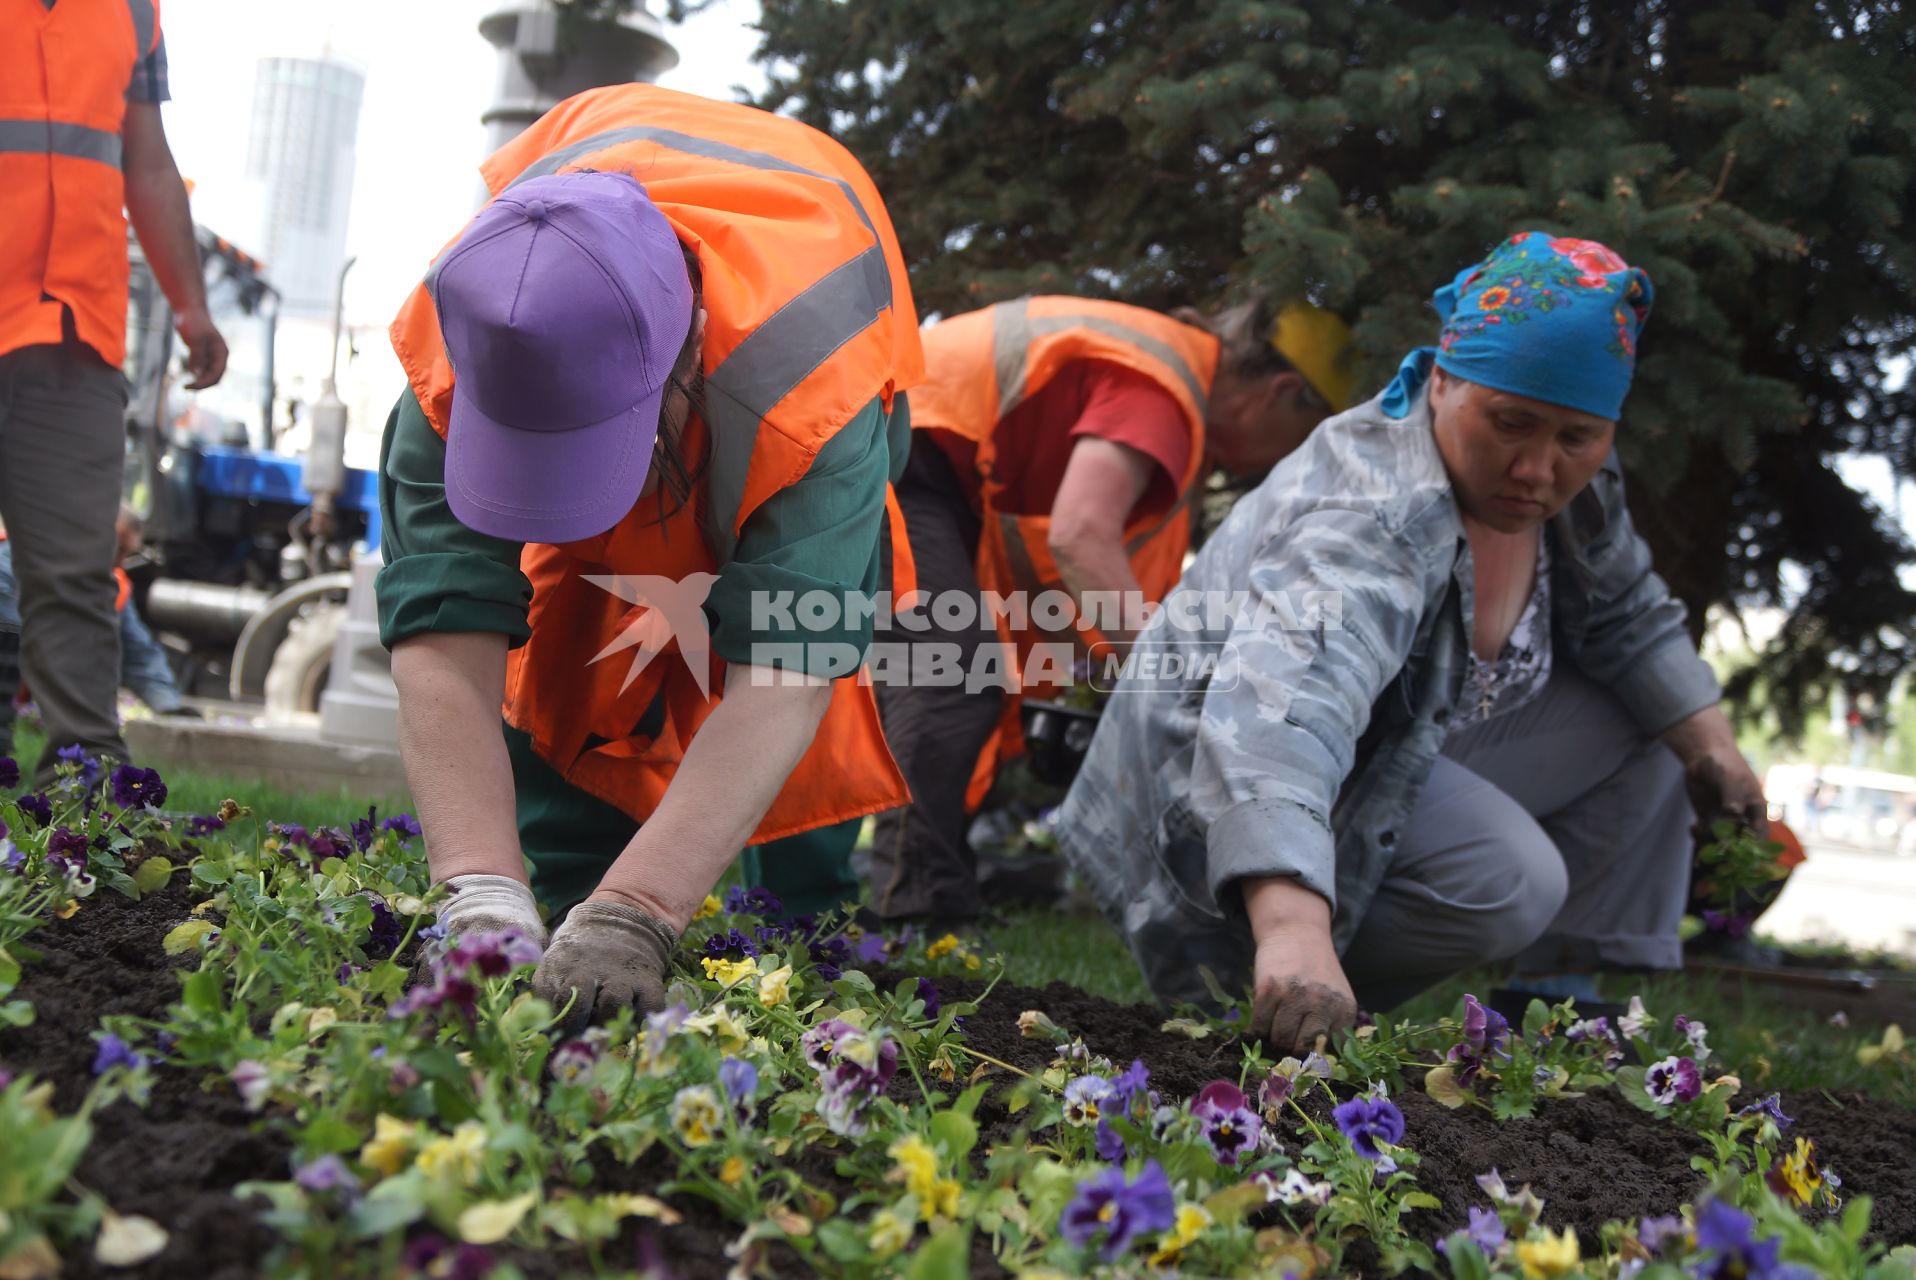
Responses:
[570,838]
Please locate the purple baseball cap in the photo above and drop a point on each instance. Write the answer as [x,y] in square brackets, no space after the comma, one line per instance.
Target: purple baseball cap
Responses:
[564,307]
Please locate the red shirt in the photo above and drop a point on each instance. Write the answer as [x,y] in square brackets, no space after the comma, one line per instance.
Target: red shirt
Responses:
[1086,398]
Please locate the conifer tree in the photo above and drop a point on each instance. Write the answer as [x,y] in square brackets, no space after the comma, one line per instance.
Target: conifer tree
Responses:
[1758,157]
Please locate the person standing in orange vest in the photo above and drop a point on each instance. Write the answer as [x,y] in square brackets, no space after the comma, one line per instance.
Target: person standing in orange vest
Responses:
[81,82]
[1060,445]
[658,381]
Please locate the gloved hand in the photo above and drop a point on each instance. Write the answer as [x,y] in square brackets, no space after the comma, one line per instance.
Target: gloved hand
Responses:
[1721,785]
[613,955]
[491,904]
[1302,997]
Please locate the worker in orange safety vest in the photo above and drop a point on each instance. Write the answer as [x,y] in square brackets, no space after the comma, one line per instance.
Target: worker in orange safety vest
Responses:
[660,378]
[1060,445]
[81,83]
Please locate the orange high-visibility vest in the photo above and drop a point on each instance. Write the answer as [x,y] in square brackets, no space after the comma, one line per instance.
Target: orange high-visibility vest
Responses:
[809,319]
[64,74]
[982,365]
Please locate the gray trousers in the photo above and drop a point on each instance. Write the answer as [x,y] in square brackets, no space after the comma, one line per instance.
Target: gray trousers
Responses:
[922,864]
[1557,833]
[62,446]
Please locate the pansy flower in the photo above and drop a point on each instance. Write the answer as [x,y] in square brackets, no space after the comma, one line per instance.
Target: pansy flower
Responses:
[1117,1210]
[1728,1237]
[1369,1122]
[739,1079]
[115,1052]
[1082,1099]
[1229,1124]
[1673,1081]
[697,1117]
[1294,1188]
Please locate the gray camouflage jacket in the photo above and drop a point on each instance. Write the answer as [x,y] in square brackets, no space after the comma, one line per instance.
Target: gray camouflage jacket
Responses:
[1297,738]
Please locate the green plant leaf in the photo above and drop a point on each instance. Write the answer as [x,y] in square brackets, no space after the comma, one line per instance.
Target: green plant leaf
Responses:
[946,1256]
[152,875]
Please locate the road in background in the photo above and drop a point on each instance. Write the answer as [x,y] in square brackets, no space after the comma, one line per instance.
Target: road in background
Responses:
[1865,900]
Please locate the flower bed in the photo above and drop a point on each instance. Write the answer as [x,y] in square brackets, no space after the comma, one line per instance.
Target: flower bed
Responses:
[218,1062]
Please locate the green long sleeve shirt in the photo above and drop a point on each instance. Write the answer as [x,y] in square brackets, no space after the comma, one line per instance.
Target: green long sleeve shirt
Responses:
[826,532]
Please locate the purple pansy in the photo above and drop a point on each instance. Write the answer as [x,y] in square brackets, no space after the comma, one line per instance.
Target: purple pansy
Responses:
[36,806]
[364,828]
[928,992]
[1673,1080]
[1230,1126]
[739,1079]
[730,945]
[431,1255]
[1772,1107]
[1729,1237]
[1486,1231]
[1084,1099]
[1368,1122]
[328,1175]
[1129,1087]
[404,823]
[457,974]
[1485,1031]
[9,773]
[115,1052]
[134,787]
[1655,1234]
[204,824]
[755,901]
[1109,1145]
[1119,1210]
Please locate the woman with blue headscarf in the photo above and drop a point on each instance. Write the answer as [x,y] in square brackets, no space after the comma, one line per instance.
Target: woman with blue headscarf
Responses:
[1421,703]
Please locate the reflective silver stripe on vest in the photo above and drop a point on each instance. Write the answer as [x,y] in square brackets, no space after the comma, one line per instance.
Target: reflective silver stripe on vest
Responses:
[1014,329]
[784,350]
[57,138]
[143,17]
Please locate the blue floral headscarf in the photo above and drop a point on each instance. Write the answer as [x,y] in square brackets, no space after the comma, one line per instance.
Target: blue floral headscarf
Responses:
[1543,316]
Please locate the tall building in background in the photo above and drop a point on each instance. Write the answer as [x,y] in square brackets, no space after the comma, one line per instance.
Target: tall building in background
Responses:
[305,121]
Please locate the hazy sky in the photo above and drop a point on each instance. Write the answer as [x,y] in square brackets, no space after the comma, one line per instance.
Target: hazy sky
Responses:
[429,74]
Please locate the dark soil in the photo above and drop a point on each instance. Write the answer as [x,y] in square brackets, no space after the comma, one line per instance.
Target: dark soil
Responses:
[1592,1159]
[178,1160]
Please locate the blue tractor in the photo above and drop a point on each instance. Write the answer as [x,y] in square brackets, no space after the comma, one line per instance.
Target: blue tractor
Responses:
[248,550]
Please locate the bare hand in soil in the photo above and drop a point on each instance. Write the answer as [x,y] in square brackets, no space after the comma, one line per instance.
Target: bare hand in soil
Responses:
[612,955]
[1302,997]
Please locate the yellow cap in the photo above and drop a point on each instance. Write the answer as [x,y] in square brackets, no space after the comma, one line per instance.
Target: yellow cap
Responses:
[1314,341]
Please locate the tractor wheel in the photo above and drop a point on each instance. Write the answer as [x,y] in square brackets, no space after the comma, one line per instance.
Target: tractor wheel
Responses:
[302,662]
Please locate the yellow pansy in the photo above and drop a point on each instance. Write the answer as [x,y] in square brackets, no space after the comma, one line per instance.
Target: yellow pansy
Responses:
[775,986]
[727,972]
[732,1172]
[972,962]
[1190,1224]
[696,1116]
[391,1147]
[457,1157]
[1798,1175]
[722,1025]
[1550,1255]
[891,1231]
[943,947]
[708,908]
[917,1164]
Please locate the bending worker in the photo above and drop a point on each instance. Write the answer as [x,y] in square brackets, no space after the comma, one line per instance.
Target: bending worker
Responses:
[81,82]
[659,376]
[1483,753]
[1061,444]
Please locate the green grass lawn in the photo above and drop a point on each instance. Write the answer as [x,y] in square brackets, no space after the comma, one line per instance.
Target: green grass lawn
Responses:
[190,792]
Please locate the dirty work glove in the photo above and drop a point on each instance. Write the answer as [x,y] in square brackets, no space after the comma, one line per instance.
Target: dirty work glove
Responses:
[490,904]
[1301,997]
[1722,786]
[614,956]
